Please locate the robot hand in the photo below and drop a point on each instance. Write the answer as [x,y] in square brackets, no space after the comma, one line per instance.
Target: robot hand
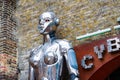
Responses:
[76,79]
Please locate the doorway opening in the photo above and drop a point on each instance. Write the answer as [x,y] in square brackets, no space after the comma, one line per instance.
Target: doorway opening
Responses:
[115,75]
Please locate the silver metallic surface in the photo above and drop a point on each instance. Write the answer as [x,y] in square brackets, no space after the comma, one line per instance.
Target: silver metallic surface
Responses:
[84,64]
[47,22]
[46,61]
[113,44]
[100,51]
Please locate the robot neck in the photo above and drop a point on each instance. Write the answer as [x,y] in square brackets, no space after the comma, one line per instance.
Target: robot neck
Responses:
[49,37]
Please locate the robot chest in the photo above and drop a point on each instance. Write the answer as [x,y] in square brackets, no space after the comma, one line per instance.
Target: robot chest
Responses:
[52,54]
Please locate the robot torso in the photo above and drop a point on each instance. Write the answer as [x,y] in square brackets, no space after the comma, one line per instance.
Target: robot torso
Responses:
[47,60]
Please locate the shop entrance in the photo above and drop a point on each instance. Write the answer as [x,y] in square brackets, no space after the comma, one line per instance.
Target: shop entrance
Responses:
[115,75]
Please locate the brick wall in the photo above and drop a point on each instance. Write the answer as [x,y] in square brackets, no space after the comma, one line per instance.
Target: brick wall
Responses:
[77,17]
[8,53]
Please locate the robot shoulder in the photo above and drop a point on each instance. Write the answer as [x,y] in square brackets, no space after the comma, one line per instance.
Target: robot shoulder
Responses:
[65,44]
[35,50]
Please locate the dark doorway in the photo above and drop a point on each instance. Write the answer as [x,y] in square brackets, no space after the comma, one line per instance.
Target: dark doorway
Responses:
[114,75]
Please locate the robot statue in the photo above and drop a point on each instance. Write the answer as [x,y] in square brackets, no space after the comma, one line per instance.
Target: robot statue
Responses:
[46,61]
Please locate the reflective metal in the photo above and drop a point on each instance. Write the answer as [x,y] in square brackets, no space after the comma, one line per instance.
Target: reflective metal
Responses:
[113,44]
[46,61]
[99,51]
[84,64]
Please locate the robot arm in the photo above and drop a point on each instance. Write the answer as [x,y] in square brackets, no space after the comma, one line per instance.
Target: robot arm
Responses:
[33,62]
[70,59]
[72,64]
[31,73]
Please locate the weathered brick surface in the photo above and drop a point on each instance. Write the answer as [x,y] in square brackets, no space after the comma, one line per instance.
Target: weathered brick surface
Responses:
[8,53]
[77,17]
[8,67]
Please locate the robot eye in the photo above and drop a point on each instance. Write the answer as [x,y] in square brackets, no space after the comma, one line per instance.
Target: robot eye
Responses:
[47,20]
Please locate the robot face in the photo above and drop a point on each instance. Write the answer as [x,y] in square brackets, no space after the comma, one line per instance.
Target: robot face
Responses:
[46,22]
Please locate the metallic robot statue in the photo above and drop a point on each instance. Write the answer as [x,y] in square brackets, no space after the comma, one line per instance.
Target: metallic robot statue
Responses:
[46,61]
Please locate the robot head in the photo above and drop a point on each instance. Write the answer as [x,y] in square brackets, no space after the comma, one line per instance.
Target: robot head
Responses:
[48,22]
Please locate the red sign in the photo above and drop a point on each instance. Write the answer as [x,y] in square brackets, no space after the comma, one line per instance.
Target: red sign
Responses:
[96,60]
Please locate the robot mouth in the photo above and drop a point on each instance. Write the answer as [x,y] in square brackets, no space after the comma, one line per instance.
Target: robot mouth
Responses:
[40,27]
[44,28]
